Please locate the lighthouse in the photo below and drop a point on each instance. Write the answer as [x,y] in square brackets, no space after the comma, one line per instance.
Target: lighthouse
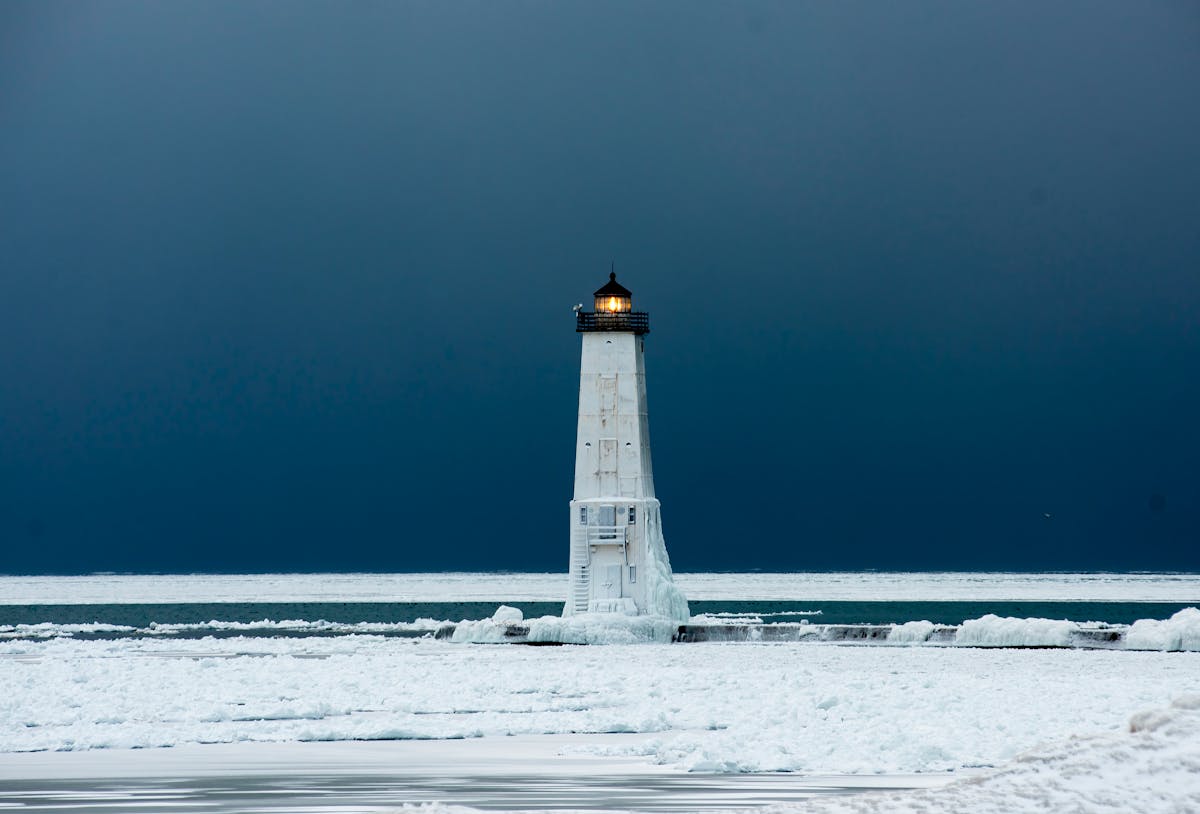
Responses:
[618,560]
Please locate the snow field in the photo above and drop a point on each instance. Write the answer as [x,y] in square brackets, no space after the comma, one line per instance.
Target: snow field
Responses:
[710,707]
[1153,767]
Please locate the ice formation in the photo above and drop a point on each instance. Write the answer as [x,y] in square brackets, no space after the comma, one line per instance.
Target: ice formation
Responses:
[911,632]
[508,624]
[581,628]
[663,598]
[1180,632]
[996,631]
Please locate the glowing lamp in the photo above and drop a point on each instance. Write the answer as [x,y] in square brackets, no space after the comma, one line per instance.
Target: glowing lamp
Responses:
[613,298]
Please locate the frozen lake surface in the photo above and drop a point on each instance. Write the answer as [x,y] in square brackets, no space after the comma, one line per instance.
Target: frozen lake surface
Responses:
[100,675]
[520,587]
[708,707]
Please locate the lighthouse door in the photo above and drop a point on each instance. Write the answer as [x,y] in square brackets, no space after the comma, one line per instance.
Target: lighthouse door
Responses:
[611,585]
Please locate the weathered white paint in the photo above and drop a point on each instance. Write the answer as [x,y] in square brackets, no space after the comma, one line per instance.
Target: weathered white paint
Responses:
[618,558]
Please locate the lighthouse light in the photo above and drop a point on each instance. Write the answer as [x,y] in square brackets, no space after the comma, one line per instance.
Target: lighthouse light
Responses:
[614,304]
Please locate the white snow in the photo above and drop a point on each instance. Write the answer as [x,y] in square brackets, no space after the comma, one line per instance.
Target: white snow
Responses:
[727,707]
[516,587]
[1151,768]
[1180,632]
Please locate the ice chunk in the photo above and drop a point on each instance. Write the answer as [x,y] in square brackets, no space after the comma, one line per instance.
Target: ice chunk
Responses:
[507,615]
[1180,632]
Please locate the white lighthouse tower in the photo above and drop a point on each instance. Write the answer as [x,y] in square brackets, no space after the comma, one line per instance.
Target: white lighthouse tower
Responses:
[618,559]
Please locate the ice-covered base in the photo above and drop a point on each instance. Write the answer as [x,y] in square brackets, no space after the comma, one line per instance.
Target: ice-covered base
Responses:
[582,628]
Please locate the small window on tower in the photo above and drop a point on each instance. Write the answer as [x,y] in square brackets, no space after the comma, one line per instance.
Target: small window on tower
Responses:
[633,573]
[633,514]
[583,515]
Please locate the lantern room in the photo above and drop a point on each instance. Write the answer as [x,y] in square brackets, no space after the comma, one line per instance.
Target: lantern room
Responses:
[613,311]
[613,298]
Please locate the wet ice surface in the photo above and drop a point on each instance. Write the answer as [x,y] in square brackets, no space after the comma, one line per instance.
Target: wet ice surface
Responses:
[1152,766]
[518,773]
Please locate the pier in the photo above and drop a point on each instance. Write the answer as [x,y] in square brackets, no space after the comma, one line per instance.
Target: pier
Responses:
[1085,637]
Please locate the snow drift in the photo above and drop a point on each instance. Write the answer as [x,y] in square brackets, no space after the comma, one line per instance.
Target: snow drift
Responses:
[1151,768]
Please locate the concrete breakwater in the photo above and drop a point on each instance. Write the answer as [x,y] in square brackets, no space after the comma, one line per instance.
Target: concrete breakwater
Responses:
[1054,635]
[946,635]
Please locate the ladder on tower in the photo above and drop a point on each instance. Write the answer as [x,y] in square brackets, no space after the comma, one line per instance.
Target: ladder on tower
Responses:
[581,561]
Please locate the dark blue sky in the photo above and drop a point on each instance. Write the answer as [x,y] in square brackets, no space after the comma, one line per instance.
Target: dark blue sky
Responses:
[288,286]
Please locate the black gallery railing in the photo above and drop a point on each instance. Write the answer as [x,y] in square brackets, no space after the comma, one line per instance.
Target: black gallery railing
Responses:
[637,322]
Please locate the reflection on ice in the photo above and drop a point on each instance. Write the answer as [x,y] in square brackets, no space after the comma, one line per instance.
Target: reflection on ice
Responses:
[519,773]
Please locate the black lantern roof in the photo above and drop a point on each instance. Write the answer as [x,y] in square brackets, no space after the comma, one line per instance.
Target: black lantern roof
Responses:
[612,288]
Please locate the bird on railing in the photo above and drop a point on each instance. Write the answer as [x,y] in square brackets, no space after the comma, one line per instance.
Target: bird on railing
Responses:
[577,308]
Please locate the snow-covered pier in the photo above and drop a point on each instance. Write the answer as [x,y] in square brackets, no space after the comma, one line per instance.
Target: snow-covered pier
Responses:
[1000,633]
[949,635]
